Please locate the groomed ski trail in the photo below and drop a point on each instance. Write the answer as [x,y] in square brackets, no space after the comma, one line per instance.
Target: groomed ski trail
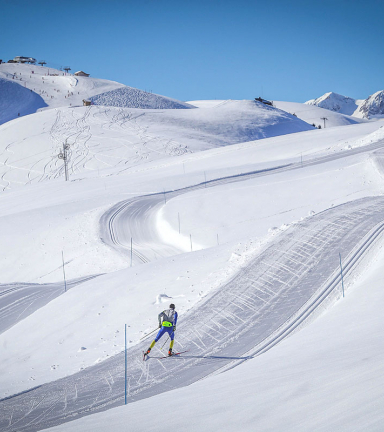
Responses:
[249,314]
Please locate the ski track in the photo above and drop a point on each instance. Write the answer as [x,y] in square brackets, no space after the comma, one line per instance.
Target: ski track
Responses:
[18,300]
[262,304]
[241,320]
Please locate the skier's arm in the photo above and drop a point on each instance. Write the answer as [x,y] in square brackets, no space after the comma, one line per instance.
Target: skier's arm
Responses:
[175,320]
[160,316]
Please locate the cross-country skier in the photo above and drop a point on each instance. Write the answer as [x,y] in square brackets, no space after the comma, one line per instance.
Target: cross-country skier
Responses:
[167,324]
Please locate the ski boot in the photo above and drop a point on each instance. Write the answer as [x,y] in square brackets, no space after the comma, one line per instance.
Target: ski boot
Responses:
[169,352]
[146,353]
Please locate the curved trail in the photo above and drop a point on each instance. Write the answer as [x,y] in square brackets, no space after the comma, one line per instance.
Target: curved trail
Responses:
[247,315]
[135,218]
[261,305]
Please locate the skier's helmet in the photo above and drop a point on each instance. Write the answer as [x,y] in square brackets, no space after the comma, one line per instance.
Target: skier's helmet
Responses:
[172,306]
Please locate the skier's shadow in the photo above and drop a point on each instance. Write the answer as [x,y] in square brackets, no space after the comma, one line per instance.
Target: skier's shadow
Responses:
[203,357]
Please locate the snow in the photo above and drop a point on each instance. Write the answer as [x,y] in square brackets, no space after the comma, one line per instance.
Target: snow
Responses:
[50,87]
[315,113]
[325,377]
[16,100]
[335,102]
[129,97]
[370,108]
[373,106]
[120,138]
[237,213]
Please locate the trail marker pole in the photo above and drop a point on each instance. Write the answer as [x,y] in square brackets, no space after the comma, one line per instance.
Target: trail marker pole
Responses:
[125,381]
[178,216]
[65,281]
[341,271]
[190,238]
[131,251]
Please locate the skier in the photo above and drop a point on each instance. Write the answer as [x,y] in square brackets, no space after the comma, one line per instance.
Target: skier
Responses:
[167,324]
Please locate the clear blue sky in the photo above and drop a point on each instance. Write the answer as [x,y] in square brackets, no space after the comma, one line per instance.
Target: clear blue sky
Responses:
[214,49]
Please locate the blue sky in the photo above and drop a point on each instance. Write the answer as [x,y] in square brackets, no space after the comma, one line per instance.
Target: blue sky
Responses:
[282,50]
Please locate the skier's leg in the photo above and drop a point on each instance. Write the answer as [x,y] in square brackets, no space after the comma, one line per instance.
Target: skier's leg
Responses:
[158,336]
[160,333]
[172,336]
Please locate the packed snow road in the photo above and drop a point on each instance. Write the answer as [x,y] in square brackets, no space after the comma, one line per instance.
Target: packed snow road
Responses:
[260,305]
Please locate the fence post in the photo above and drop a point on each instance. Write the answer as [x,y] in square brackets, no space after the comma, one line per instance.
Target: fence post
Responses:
[65,281]
[178,216]
[125,353]
[131,251]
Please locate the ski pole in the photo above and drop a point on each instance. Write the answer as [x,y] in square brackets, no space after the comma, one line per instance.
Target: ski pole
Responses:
[165,342]
[148,334]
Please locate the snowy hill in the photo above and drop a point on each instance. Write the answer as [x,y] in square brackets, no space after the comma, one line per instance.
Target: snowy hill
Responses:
[16,100]
[120,138]
[239,213]
[57,88]
[314,114]
[128,97]
[372,107]
[60,89]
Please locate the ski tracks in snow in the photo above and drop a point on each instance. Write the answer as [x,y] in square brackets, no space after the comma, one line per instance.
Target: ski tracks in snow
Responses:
[263,303]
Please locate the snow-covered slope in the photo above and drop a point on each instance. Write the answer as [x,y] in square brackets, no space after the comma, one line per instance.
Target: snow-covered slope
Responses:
[101,137]
[16,100]
[40,221]
[128,97]
[314,114]
[56,88]
[327,377]
[235,211]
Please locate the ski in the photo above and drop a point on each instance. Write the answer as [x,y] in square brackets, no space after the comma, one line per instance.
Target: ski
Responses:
[145,355]
[173,354]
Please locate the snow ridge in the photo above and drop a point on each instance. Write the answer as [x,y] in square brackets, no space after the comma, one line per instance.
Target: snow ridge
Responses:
[371,107]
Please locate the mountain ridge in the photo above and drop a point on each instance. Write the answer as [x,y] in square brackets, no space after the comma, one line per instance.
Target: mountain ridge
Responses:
[371,107]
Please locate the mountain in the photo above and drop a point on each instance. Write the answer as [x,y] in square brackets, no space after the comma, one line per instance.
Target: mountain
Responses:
[371,107]
[335,102]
